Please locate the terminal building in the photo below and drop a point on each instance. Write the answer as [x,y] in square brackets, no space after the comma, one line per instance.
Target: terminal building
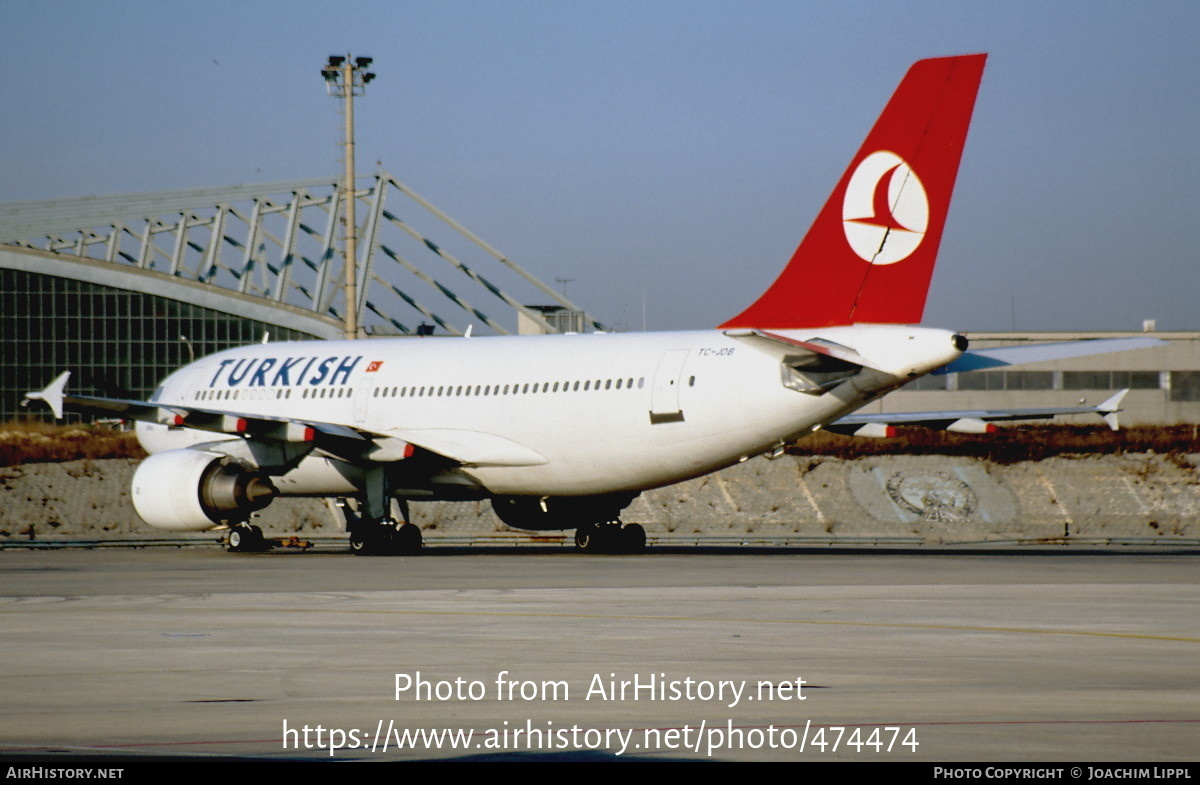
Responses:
[122,290]
[1163,381]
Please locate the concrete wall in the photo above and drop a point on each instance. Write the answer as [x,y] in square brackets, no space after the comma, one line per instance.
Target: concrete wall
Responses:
[933,497]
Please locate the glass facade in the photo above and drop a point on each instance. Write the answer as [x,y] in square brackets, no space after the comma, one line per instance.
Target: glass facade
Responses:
[116,343]
[1185,385]
[1111,380]
[1006,380]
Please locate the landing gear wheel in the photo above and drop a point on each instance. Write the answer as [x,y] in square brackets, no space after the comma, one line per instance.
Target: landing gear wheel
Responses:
[587,538]
[385,538]
[407,539]
[246,539]
[633,538]
[370,539]
[610,538]
[359,545]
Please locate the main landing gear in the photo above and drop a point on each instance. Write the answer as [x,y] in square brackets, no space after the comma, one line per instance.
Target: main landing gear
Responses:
[611,538]
[383,537]
[596,519]
[244,538]
[387,537]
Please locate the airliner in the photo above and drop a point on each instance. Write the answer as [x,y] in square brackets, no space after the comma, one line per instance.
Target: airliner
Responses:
[562,432]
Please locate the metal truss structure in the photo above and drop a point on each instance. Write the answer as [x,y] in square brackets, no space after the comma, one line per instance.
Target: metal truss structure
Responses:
[279,243]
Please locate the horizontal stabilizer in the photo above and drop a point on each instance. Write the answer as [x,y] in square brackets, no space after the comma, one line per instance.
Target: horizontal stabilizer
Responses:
[1004,356]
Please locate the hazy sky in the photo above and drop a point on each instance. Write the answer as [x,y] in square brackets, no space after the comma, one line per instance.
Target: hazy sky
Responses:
[671,150]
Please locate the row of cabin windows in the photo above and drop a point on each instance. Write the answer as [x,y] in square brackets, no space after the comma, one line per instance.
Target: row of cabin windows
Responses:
[265,393]
[507,389]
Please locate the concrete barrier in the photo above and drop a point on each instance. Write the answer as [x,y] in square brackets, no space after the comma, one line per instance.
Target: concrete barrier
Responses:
[943,498]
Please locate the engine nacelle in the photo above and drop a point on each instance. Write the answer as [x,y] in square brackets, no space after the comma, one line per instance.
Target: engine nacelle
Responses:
[559,512]
[194,490]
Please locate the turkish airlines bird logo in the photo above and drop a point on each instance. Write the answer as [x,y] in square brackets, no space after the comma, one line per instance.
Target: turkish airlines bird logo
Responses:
[885,211]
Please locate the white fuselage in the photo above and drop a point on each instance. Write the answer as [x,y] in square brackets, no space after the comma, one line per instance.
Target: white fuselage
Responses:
[561,415]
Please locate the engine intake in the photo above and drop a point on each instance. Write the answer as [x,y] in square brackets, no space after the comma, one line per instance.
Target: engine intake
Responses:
[193,490]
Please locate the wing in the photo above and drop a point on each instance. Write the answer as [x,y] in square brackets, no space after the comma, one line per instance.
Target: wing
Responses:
[968,420]
[196,418]
[467,448]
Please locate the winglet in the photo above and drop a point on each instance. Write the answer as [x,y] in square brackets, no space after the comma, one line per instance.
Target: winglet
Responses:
[1109,410]
[52,395]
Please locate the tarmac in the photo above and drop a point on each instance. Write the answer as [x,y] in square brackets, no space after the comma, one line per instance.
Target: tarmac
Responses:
[545,654]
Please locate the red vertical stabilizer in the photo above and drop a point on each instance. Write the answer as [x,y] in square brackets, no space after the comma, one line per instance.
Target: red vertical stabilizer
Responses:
[869,256]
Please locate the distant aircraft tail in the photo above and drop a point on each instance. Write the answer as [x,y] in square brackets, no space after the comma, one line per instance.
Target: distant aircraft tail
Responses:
[869,256]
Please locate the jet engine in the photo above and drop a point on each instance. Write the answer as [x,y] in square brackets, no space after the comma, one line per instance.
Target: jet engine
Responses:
[193,490]
[535,513]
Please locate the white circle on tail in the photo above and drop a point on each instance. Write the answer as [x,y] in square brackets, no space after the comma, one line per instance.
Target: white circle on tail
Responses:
[885,211]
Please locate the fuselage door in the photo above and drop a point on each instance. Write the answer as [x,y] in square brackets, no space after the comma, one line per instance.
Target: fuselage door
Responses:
[664,396]
[362,396]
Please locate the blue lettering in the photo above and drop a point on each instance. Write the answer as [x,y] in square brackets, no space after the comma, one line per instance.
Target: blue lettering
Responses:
[235,378]
[300,379]
[257,379]
[281,376]
[322,370]
[344,370]
[257,371]
[217,375]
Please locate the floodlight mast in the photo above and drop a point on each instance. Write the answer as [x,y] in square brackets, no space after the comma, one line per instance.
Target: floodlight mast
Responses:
[346,77]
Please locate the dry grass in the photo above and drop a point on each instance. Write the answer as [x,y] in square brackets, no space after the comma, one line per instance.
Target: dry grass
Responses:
[1010,445]
[37,442]
[28,441]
